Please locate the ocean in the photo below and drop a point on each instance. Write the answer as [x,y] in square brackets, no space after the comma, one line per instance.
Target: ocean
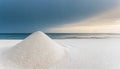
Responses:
[63,35]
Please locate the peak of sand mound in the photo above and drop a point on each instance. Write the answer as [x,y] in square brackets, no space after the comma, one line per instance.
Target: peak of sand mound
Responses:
[37,51]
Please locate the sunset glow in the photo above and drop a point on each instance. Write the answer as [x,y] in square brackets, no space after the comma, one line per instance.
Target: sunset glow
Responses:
[105,22]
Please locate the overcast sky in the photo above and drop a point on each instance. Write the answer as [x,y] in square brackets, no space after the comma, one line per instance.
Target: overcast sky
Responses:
[19,16]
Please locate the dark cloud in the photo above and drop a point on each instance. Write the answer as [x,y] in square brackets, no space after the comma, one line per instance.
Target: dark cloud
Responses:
[31,15]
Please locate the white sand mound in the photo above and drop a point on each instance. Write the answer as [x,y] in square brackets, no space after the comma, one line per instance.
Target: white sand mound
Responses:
[37,51]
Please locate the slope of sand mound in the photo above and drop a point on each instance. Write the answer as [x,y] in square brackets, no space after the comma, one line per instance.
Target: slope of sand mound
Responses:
[37,51]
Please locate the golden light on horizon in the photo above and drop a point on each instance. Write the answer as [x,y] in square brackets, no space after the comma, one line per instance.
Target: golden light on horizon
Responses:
[105,22]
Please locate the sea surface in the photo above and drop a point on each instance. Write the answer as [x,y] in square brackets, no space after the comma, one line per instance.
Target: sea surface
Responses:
[63,35]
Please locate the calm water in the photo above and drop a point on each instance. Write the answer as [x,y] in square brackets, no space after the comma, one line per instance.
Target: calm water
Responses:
[63,35]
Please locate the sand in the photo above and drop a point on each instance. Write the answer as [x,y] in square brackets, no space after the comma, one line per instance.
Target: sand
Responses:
[37,51]
[78,54]
[90,54]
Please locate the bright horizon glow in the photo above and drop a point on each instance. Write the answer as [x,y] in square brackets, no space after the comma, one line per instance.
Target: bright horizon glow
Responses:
[105,22]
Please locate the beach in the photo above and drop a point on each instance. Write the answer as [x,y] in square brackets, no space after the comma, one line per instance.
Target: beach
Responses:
[60,34]
[102,53]
[71,42]
[83,53]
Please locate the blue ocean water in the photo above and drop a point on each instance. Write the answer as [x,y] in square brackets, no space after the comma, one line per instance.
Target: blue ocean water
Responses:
[63,35]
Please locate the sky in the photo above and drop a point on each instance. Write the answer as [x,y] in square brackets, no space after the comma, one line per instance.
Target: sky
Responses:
[105,22]
[59,16]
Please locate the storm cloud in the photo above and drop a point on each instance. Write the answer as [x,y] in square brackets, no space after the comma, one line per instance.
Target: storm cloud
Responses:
[31,15]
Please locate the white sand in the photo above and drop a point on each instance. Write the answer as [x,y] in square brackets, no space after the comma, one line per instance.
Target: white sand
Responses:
[37,51]
[80,54]
[90,54]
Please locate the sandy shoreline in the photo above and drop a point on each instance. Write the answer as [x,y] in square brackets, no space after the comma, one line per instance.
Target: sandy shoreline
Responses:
[91,53]
[74,42]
